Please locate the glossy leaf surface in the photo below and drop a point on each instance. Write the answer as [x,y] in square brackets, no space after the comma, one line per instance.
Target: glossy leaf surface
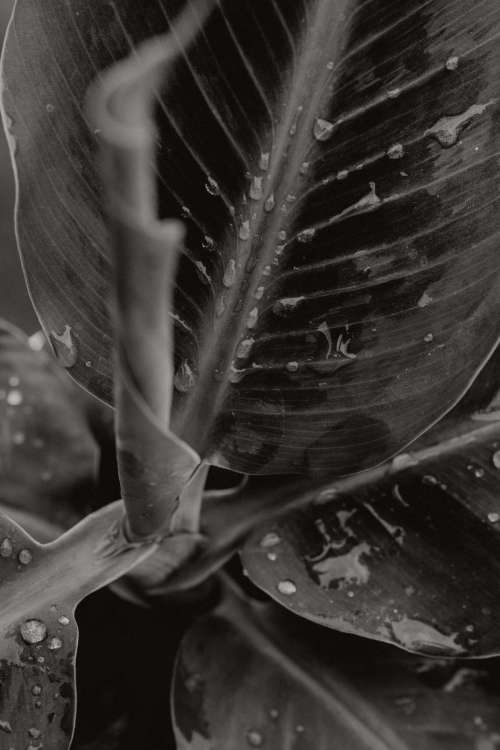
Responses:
[336,165]
[301,687]
[406,553]
[40,586]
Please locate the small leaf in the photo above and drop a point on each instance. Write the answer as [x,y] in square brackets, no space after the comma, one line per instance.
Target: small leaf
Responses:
[406,553]
[289,684]
[40,587]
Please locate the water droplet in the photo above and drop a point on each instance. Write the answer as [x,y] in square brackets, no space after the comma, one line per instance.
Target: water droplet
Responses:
[496,460]
[493,517]
[18,438]
[252,318]
[304,167]
[286,304]
[212,186]
[447,130]
[270,540]
[396,151]
[25,557]
[282,235]
[274,713]
[36,690]
[266,271]
[208,243]
[55,644]
[49,107]
[6,548]
[230,273]
[244,348]
[393,93]
[185,212]
[288,588]
[33,631]
[264,161]
[5,726]
[424,300]
[479,473]
[63,620]
[343,174]
[299,729]
[428,338]
[259,292]
[35,733]
[452,63]
[323,129]
[292,366]
[64,347]
[184,377]
[270,203]
[14,398]
[330,65]
[244,233]
[255,738]
[306,235]
[256,190]
[272,556]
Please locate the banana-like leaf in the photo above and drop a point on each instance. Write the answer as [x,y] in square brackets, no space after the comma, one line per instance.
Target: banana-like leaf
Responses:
[40,587]
[49,457]
[407,553]
[336,166]
[249,678]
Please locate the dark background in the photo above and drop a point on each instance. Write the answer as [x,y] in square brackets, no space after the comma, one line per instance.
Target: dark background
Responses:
[15,305]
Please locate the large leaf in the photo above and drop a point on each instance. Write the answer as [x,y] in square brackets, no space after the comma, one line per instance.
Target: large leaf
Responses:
[336,165]
[406,553]
[290,686]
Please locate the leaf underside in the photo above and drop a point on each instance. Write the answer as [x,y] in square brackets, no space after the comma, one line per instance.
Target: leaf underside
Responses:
[405,554]
[336,166]
[334,692]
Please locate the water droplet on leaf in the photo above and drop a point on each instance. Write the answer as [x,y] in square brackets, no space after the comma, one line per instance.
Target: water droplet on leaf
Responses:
[14,398]
[6,548]
[25,557]
[270,540]
[452,63]
[496,460]
[244,233]
[33,631]
[252,318]
[212,186]
[63,620]
[288,588]
[256,189]
[264,161]
[255,738]
[184,378]
[55,644]
[306,235]
[64,347]
[323,129]
[270,203]
[396,151]
[493,517]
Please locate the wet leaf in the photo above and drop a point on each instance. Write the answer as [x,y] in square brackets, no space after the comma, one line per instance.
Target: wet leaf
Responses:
[294,685]
[335,164]
[49,456]
[405,553]
[40,587]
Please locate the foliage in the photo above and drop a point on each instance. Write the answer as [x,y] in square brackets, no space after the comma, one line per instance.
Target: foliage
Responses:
[265,233]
